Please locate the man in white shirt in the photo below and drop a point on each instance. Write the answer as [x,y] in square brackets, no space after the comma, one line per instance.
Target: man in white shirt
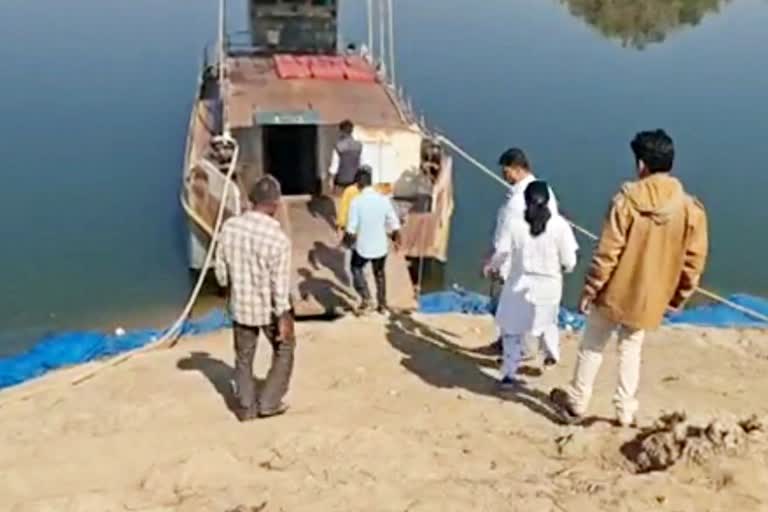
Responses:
[516,170]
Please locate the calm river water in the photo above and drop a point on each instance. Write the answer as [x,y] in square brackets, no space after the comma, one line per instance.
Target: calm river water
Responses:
[95,99]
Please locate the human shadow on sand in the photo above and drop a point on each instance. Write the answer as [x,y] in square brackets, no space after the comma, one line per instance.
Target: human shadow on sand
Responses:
[218,373]
[438,361]
[324,291]
[332,258]
[323,207]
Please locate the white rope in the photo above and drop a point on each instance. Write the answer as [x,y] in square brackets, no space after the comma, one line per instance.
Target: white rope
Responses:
[469,158]
[171,335]
[706,293]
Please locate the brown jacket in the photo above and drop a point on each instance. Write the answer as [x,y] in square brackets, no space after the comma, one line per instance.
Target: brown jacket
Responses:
[651,253]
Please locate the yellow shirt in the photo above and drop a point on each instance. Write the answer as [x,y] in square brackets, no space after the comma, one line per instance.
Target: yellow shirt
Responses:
[351,192]
[348,195]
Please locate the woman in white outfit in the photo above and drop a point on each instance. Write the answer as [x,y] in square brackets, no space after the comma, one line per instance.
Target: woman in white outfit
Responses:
[541,248]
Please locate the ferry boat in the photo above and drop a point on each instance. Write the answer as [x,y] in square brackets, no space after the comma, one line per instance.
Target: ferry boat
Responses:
[281,90]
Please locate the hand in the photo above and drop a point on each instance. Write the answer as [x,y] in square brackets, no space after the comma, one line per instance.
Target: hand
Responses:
[285,327]
[397,242]
[585,305]
[675,308]
[489,272]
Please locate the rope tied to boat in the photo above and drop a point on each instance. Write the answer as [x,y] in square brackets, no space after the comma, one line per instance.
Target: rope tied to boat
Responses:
[587,233]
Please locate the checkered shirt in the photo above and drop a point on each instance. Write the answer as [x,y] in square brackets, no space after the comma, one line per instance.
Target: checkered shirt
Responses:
[253,258]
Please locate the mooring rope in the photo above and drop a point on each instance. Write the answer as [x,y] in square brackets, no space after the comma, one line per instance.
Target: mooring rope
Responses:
[584,231]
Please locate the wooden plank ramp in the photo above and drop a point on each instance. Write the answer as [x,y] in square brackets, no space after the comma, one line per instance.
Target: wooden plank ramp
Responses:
[322,283]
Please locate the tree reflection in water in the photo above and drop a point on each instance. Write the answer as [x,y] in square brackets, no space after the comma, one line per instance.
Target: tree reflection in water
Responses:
[638,23]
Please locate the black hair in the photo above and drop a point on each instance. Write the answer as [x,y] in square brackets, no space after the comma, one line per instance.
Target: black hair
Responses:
[656,149]
[537,212]
[265,190]
[346,126]
[514,157]
[364,176]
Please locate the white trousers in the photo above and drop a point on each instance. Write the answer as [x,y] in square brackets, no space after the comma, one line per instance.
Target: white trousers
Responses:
[512,345]
[597,334]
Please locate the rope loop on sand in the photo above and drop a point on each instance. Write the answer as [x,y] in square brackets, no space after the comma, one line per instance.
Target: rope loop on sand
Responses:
[588,234]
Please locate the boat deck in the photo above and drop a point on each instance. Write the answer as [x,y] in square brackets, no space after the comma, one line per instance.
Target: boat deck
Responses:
[255,88]
[322,283]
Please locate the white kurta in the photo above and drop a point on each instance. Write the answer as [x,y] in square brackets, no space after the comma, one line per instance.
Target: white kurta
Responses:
[513,209]
[534,286]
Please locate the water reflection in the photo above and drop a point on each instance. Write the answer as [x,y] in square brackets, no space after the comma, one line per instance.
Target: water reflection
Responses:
[638,23]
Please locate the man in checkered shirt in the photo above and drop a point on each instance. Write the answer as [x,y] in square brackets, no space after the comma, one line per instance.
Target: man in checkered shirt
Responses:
[253,259]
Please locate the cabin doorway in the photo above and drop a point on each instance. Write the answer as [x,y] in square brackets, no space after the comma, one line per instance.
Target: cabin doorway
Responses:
[290,155]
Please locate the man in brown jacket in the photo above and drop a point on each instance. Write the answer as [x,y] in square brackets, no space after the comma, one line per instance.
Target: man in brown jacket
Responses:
[649,259]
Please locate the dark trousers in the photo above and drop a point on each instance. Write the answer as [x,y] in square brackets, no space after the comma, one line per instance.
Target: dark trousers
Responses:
[279,375]
[361,285]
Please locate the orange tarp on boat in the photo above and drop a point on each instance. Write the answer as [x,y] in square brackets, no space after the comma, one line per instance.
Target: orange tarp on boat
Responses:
[324,68]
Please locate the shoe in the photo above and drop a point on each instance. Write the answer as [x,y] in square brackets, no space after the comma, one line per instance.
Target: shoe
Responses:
[562,404]
[281,409]
[510,384]
[626,421]
[549,363]
[383,311]
[364,308]
[246,414]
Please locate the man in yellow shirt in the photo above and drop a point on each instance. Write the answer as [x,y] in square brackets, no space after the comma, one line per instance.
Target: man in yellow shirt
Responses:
[350,192]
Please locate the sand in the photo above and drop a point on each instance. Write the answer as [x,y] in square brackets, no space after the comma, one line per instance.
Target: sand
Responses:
[390,416]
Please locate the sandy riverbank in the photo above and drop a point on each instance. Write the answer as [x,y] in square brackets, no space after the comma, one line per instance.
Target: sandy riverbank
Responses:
[387,416]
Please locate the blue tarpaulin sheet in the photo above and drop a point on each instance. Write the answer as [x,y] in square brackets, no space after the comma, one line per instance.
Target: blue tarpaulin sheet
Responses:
[67,349]
[459,300]
[720,315]
[709,315]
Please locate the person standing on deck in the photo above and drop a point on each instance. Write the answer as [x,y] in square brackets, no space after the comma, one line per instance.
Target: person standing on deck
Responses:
[342,214]
[650,258]
[539,249]
[516,170]
[349,194]
[372,217]
[253,259]
[346,157]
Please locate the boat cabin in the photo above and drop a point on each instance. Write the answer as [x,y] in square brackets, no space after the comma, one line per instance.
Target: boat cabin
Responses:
[285,113]
[294,26]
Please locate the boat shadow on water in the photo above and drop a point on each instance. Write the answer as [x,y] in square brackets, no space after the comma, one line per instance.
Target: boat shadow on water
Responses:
[434,358]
